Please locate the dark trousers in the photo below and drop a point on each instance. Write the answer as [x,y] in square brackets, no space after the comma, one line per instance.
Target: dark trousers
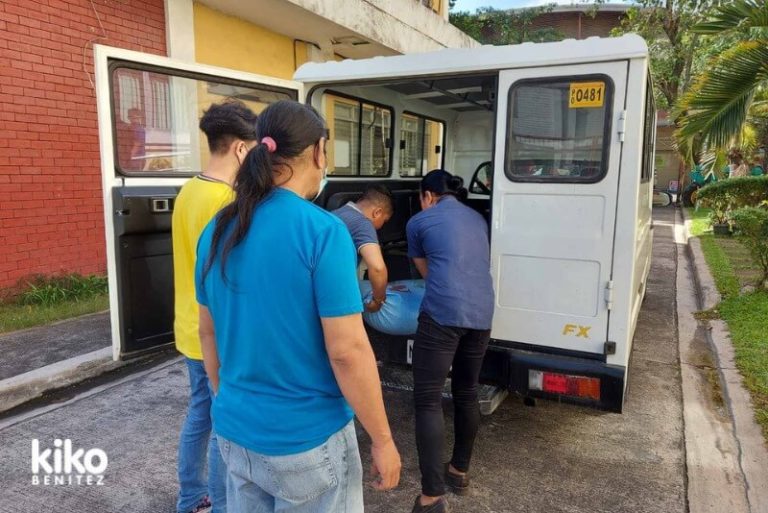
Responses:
[437,348]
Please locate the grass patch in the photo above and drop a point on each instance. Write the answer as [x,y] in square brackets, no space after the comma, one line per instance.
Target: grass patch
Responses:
[49,299]
[48,291]
[17,316]
[720,265]
[747,318]
[699,220]
[746,315]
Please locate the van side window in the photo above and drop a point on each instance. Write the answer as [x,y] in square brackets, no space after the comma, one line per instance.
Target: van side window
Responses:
[558,129]
[649,135]
[361,135]
[156,113]
[422,144]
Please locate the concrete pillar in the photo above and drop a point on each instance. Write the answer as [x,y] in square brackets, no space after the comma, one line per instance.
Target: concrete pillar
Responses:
[180,29]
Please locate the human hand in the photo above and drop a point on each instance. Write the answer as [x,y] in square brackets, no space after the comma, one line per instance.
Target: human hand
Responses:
[373,306]
[385,466]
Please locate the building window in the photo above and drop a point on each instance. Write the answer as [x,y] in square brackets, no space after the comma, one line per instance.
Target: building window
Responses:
[421,144]
[360,137]
[558,130]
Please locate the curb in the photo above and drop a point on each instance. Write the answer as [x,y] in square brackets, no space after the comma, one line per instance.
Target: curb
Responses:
[753,453]
[30,385]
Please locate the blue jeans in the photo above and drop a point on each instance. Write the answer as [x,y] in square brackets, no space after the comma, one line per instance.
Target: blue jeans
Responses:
[197,439]
[326,479]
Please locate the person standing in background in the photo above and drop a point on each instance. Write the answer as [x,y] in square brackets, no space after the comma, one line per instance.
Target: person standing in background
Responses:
[230,128]
[737,165]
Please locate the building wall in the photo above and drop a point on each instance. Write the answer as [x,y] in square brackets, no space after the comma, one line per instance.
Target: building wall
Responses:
[230,42]
[578,24]
[51,217]
[667,159]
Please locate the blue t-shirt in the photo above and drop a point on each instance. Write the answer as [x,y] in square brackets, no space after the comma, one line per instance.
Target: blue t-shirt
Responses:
[277,393]
[360,227]
[454,240]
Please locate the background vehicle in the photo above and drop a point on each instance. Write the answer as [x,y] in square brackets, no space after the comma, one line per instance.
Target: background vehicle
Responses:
[556,141]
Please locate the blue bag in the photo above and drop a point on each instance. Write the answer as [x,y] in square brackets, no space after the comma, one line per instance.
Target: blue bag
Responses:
[399,315]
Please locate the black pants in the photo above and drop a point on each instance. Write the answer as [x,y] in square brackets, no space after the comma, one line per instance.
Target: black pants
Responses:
[437,348]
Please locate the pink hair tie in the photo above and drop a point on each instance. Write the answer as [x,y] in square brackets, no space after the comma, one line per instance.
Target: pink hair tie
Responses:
[269,143]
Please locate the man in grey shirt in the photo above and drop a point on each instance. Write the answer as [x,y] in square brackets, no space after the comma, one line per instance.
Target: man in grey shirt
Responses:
[363,218]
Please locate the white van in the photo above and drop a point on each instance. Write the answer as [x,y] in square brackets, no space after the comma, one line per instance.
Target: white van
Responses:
[555,141]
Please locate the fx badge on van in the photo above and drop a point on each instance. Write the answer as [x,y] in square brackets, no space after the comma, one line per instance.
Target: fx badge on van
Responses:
[575,329]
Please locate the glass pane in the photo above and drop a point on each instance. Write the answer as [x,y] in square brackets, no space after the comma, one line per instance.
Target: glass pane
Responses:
[375,141]
[411,145]
[342,115]
[434,144]
[156,118]
[557,131]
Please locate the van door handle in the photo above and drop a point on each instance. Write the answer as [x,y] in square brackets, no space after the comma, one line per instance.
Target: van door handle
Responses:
[161,205]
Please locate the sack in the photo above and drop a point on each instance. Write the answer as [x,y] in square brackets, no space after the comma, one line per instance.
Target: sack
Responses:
[399,315]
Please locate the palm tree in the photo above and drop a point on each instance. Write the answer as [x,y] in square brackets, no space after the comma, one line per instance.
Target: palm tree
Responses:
[727,99]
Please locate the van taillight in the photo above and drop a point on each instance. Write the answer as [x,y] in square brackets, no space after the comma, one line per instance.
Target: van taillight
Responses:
[564,384]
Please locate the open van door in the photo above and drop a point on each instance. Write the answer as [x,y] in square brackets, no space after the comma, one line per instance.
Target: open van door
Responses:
[556,175]
[148,112]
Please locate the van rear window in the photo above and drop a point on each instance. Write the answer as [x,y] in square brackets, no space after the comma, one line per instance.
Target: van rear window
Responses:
[559,129]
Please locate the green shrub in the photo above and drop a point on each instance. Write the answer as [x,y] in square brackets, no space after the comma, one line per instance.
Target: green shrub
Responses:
[731,194]
[47,291]
[751,225]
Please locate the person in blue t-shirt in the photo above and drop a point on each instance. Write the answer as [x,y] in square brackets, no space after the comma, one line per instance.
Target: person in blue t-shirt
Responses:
[449,245]
[363,218]
[282,336]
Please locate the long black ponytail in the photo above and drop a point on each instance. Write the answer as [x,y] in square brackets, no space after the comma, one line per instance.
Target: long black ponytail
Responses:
[285,129]
[440,183]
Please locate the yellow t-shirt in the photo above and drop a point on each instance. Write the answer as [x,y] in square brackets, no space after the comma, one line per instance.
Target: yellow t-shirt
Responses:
[198,201]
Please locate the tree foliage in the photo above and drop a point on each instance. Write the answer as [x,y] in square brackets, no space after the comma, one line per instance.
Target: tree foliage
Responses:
[675,49]
[726,105]
[503,27]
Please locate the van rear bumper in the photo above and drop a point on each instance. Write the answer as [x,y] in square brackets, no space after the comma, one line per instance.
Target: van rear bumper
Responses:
[510,367]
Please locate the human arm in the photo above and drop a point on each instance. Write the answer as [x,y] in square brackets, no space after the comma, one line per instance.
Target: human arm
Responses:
[377,274]
[421,266]
[416,248]
[337,295]
[354,367]
[208,345]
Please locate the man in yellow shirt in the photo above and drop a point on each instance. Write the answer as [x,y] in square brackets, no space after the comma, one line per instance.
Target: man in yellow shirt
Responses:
[231,131]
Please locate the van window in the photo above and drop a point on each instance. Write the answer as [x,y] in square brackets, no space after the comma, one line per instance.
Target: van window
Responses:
[156,116]
[360,136]
[558,129]
[422,144]
[649,135]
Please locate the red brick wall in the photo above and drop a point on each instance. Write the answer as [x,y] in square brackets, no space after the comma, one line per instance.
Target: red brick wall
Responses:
[51,217]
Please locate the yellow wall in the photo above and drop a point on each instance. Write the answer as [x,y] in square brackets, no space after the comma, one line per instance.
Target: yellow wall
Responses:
[229,42]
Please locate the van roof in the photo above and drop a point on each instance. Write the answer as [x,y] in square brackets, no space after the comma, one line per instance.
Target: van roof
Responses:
[482,58]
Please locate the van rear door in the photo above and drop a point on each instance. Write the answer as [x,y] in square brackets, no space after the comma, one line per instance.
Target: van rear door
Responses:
[556,176]
[148,111]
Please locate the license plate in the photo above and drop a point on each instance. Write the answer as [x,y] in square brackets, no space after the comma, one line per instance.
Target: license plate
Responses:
[586,95]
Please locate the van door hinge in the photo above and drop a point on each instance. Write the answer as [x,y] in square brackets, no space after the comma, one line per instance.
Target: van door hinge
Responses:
[609,295]
[622,124]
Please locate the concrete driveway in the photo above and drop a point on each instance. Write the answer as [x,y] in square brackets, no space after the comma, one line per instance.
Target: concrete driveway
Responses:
[547,458]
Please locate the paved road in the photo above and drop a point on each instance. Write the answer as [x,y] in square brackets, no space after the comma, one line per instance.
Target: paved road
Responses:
[551,458]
